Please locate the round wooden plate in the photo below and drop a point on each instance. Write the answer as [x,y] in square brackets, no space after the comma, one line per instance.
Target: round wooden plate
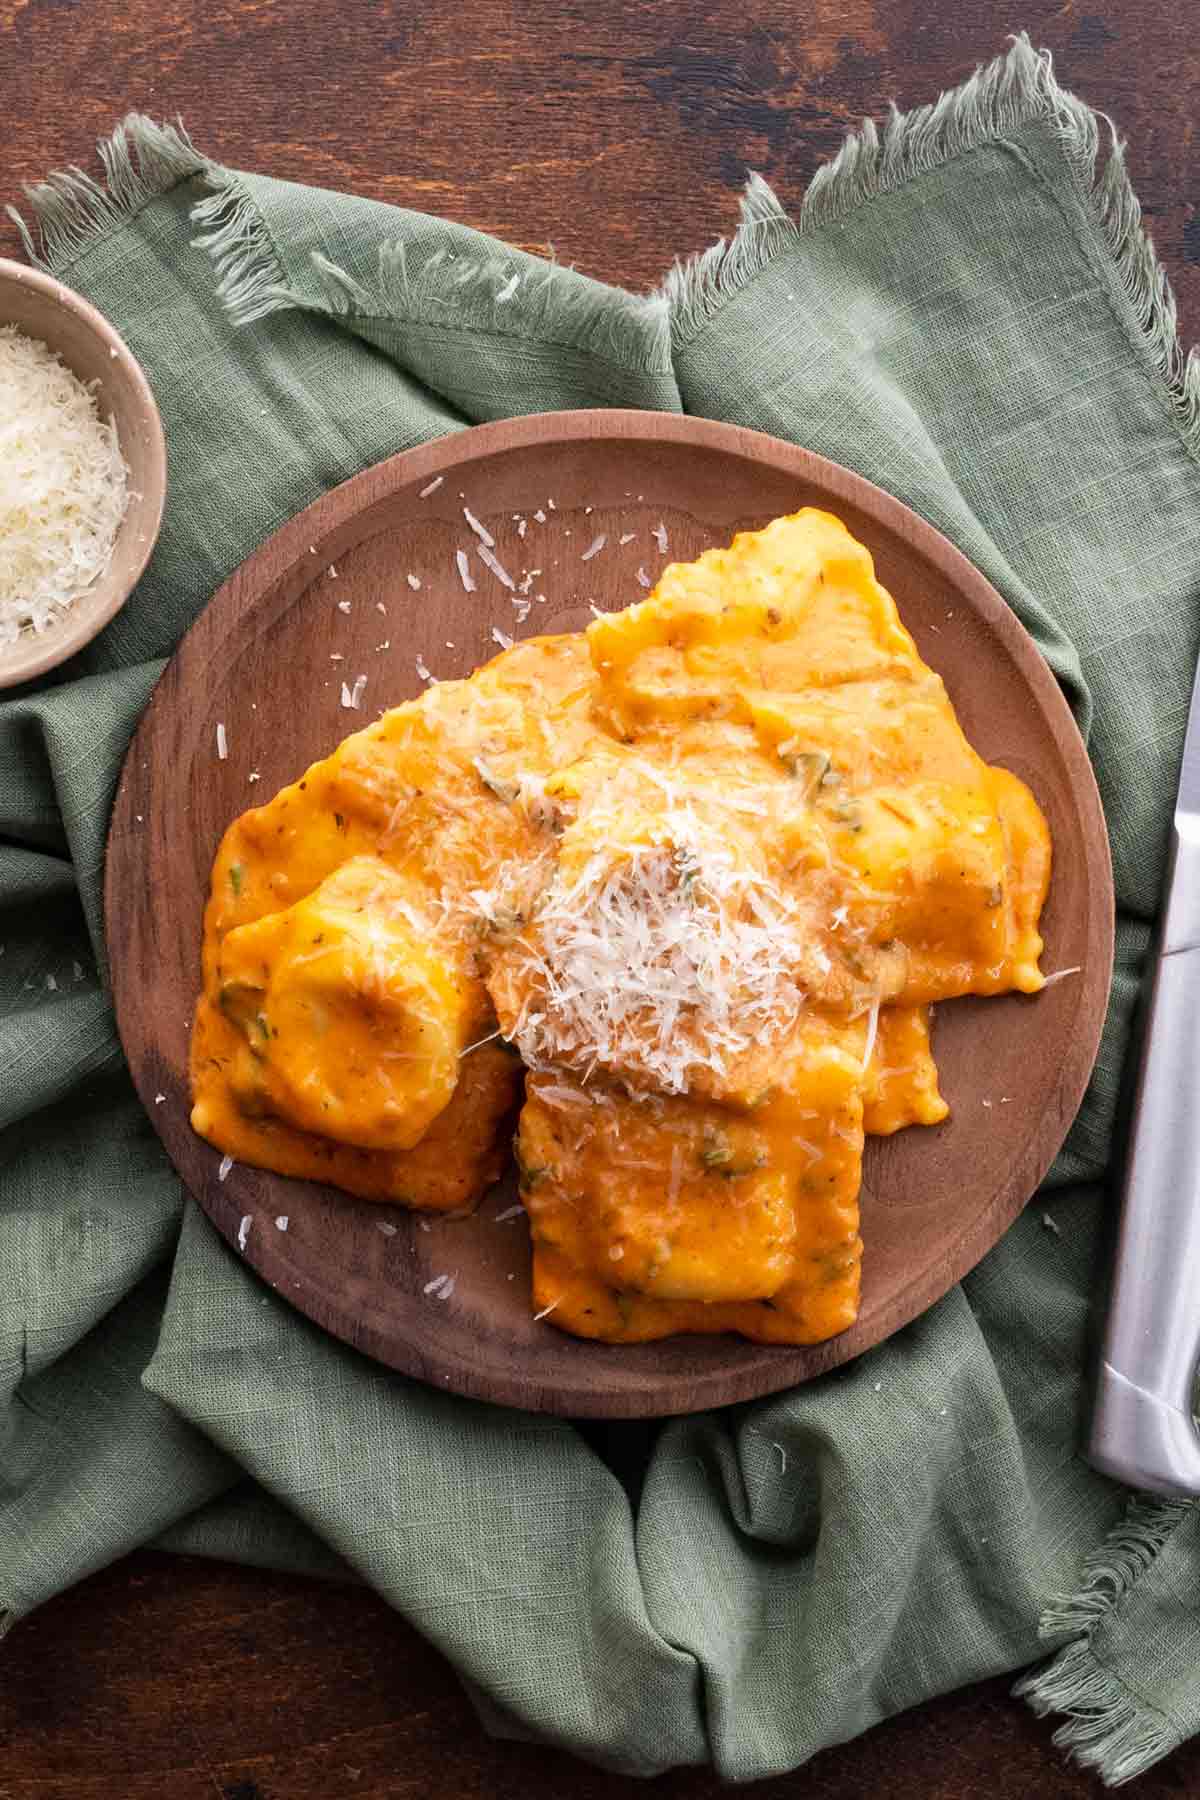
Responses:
[326,600]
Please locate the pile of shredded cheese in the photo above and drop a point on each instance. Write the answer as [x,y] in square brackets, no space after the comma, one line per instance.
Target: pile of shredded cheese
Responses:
[63,487]
[660,959]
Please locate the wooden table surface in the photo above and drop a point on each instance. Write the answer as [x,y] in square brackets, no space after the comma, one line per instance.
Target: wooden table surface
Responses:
[618,131]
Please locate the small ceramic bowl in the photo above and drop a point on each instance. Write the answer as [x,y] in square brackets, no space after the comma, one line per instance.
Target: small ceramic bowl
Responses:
[41,307]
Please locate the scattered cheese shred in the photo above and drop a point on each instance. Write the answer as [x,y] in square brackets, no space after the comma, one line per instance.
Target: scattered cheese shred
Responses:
[431,487]
[1062,975]
[414,582]
[502,638]
[244,1230]
[63,487]
[872,1032]
[479,528]
[222,742]
[464,570]
[597,544]
[495,565]
[659,534]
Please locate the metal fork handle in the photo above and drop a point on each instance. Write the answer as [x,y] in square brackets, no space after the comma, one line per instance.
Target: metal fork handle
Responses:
[1144,1427]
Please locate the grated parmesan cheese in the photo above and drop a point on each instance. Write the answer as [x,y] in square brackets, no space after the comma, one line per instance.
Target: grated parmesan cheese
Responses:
[63,487]
[659,958]
[872,1033]
[495,565]
[479,528]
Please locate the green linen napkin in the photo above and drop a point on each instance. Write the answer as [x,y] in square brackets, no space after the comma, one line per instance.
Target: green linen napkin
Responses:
[966,311]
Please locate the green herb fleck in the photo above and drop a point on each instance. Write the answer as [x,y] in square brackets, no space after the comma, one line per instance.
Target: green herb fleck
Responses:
[503,790]
[733,1171]
[808,766]
[528,1176]
[235,879]
[687,869]
[716,1150]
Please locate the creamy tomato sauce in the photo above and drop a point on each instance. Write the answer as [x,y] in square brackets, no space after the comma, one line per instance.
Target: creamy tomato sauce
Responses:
[682,888]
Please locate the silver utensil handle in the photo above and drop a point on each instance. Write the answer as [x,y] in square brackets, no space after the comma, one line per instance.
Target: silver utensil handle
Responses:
[1143,1427]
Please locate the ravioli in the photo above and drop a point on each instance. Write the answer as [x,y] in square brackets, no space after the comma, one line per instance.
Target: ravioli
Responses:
[684,889]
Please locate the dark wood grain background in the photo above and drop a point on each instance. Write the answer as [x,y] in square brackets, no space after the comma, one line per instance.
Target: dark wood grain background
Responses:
[617,131]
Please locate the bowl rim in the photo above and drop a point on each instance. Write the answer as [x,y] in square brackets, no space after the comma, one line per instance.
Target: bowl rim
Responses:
[31,657]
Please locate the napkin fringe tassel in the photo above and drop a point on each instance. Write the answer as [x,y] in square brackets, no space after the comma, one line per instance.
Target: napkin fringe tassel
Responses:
[251,282]
[1016,89]
[444,289]
[143,159]
[1105,1727]
[555,303]
[72,212]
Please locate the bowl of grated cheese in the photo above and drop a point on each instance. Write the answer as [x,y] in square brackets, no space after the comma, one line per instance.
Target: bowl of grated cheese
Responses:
[83,470]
